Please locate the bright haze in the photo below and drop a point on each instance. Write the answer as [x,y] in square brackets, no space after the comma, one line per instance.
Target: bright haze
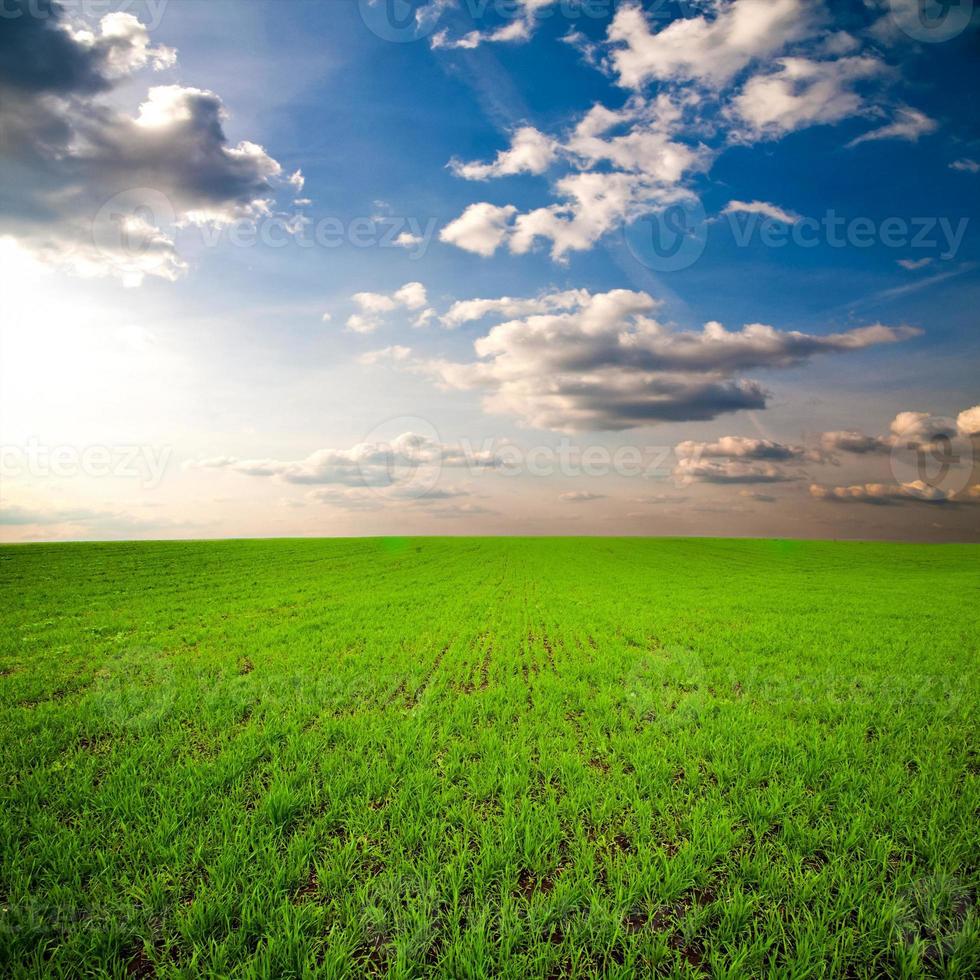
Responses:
[288,268]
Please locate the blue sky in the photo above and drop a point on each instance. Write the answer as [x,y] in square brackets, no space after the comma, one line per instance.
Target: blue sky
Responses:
[270,381]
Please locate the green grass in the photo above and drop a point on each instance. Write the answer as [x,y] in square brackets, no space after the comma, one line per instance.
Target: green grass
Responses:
[495,757]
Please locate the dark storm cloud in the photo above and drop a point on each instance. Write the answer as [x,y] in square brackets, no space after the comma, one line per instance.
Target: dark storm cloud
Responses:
[38,54]
[606,364]
[96,189]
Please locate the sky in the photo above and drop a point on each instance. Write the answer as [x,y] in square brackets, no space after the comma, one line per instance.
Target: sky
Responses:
[489,267]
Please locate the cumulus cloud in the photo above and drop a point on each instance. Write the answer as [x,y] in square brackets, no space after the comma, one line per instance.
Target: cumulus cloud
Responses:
[407,239]
[801,92]
[968,421]
[850,441]
[606,364]
[764,208]
[530,152]
[920,429]
[507,307]
[519,28]
[514,31]
[889,493]
[908,430]
[593,204]
[398,463]
[742,70]
[909,124]
[711,48]
[624,163]
[579,496]
[730,471]
[738,459]
[373,306]
[480,228]
[740,447]
[99,191]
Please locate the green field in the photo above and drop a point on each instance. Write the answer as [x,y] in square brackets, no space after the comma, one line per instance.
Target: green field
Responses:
[490,758]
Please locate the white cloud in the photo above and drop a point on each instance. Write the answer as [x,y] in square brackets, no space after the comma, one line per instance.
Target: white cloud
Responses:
[373,306]
[800,93]
[518,29]
[909,124]
[968,421]
[515,31]
[425,317]
[637,138]
[480,228]
[358,323]
[579,497]
[838,43]
[371,464]
[374,302]
[386,354]
[965,165]
[530,152]
[605,364]
[408,240]
[648,163]
[707,49]
[763,208]
[914,264]
[594,204]
[120,46]
[411,296]
[468,310]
